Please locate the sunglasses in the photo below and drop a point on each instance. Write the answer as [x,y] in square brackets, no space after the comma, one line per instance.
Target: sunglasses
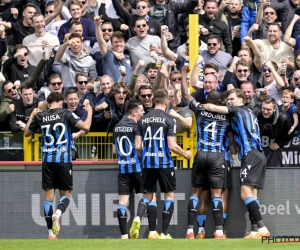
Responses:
[50,11]
[147,95]
[269,13]
[296,79]
[211,44]
[176,78]
[10,90]
[104,30]
[141,7]
[56,83]
[266,69]
[143,25]
[242,70]
[82,82]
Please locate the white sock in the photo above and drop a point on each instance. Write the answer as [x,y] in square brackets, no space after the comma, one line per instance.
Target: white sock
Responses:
[50,232]
[58,212]
[201,229]
[219,232]
[262,229]
[253,233]
[152,232]
[190,230]
[125,235]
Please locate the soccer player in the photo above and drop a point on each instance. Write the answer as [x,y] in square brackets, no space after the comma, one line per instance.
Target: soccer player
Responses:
[209,161]
[158,135]
[253,166]
[55,126]
[128,147]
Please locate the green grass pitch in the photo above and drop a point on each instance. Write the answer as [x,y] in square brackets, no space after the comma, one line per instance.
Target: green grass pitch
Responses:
[176,244]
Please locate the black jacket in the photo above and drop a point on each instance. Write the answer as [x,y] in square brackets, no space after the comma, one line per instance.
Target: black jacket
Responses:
[282,123]
[219,28]
[21,113]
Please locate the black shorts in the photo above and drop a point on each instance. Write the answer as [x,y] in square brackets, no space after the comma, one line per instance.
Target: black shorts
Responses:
[57,176]
[253,169]
[164,176]
[208,168]
[228,178]
[129,181]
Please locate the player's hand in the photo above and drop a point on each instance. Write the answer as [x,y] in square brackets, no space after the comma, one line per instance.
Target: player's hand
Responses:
[173,113]
[188,154]
[35,112]
[76,135]
[274,146]
[10,109]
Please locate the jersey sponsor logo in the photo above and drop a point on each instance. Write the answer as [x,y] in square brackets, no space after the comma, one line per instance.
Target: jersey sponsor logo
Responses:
[154,119]
[214,116]
[48,150]
[210,143]
[123,129]
[123,162]
[150,154]
[49,118]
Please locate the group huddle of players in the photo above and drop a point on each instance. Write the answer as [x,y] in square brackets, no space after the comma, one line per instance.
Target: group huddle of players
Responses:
[143,143]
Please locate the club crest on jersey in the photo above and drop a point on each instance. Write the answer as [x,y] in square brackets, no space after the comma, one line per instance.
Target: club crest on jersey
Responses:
[63,148]
[160,154]
[132,161]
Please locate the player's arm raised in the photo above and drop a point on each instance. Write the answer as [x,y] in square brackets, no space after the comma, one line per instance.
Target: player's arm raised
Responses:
[27,132]
[214,108]
[184,89]
[88,121]
[175,148]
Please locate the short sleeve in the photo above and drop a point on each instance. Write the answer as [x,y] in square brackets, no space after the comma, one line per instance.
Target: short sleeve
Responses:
[73,118]
[171,129]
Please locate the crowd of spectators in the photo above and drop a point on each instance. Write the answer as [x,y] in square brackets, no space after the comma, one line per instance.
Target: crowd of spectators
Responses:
[106,52]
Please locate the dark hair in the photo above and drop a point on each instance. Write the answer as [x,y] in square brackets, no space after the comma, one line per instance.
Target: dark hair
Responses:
[29,5]
[49,4]
[115,89]
[274,24]
[75,35]
[144,87]
[52,76]
[5,83]
[75,23]
[160,96]
[118,35]
[71,91]
[132,105]
[242,63]
[296,67]
[269,100]
[25,86]
[81,74]
[214,97]
[140,19]
[239,93]
[214,37]
[269,6]
[149,66]
[20,46]
[54,97]
[126,6]
[247,83]
[107,22]
[211,66]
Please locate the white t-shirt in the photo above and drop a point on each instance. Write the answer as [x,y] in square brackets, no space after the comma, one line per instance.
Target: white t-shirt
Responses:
[274,92]
[35,47]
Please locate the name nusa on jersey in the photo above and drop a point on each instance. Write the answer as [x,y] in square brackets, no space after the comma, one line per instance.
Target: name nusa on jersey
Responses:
[211,128]
[124,140]
[55,126]
[156,127]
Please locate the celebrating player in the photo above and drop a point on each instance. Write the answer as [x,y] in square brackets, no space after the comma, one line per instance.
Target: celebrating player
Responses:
[55,125]
[158,134]
[128,148]
[253,165]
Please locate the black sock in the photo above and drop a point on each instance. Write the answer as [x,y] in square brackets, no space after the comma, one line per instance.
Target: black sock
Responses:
[253,209]
[152,216]
[142,207]
[122,218]
[167,215]
[218,212]
[63,204]
[192,211]
[224,219]
[48,212]
[253,222]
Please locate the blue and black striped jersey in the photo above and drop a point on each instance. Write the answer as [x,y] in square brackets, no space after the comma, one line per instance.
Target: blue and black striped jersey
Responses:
[124,140]
[156,127]
[55,125]
[211,128]
[246,129]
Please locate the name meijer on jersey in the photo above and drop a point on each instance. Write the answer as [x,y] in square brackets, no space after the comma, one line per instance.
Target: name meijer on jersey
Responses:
[56,133]
[124,139]
[156,127]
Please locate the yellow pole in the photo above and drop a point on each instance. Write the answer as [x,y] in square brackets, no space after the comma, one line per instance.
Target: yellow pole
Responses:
[193,54]
[27,146]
